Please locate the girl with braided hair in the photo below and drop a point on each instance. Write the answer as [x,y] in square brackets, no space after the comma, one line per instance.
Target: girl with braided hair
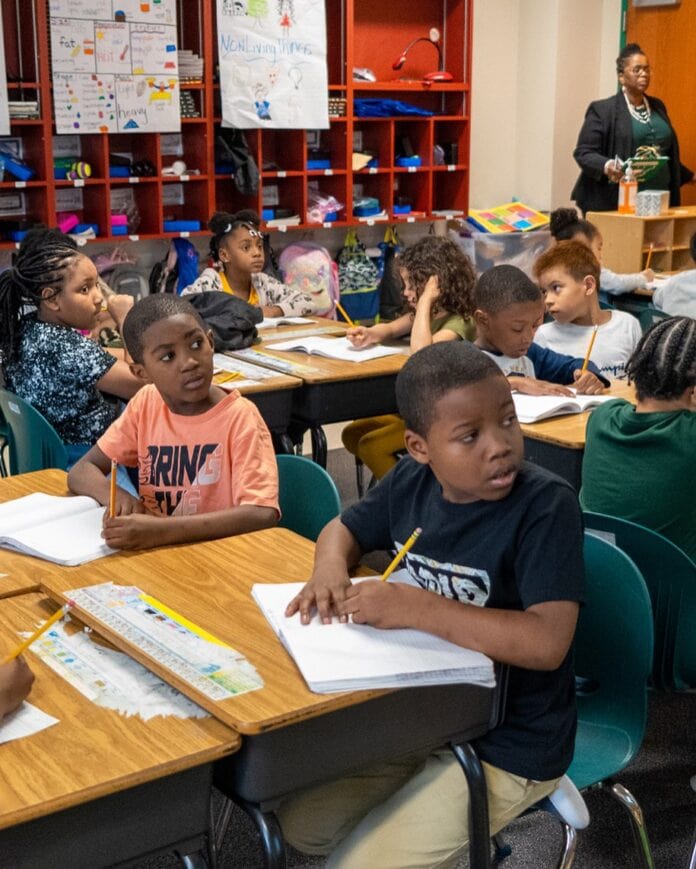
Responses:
[48,295]
[639,463]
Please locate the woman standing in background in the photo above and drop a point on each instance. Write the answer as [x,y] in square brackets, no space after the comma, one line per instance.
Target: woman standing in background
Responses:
[616,127]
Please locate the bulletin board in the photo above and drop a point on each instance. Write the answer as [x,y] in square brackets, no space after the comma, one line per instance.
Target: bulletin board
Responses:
[115,66]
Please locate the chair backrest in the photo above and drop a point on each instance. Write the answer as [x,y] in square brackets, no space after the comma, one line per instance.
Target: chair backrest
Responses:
[670,576]
[32,441]
[614,643]
[309,498]
[649,316]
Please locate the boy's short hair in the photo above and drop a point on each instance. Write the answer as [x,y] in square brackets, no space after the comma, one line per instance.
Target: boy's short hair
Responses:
[434,371]
[150,310]
[502,286]
[575,257]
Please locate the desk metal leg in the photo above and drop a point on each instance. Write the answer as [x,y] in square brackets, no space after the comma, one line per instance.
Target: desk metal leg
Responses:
[283,443]
[319,449]
[479,825]
[270,832]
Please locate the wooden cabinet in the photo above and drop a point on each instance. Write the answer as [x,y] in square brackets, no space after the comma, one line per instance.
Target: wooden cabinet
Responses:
[360,33]
[629,240]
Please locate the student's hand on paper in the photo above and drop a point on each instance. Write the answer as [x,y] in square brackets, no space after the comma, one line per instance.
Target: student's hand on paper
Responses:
[587,383]
[15,683]
[381,604]
[135,531]
[126,504]
[531,386]
[325,592]
[361,336]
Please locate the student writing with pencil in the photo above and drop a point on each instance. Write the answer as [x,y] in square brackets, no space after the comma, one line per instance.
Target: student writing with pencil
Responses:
[498,568]
[568,273]
[509,312]
[437,281]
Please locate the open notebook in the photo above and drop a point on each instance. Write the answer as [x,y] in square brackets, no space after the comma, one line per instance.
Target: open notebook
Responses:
[532,408]
[336,348]
[348,657]
[60,529]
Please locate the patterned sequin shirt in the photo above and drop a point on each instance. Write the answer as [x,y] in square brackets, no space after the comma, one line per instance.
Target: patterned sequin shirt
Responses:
[56,370]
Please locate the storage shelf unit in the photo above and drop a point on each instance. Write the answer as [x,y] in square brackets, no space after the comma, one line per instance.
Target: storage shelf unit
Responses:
[360,33]
[628,240]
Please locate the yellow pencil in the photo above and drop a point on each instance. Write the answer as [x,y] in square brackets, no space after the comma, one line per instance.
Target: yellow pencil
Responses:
[345,316]
[400,554]
[58,614]
[589,349]
[649,257]
[112,490]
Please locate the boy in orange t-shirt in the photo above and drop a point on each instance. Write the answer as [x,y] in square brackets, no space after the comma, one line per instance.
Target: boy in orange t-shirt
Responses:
[205,458]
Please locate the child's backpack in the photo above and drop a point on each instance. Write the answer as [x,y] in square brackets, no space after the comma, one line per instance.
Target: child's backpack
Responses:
[179,269]
[357,279]
[128,280]
[308,267]
[391,300]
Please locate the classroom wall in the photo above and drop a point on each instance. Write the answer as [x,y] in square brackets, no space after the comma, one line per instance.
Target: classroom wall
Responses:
[536,66]
[668,35]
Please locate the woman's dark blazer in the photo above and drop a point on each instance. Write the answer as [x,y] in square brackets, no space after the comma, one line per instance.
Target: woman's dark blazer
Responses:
[606,132]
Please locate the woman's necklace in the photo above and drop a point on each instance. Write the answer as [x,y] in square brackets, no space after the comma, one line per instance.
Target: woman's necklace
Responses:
[640,113]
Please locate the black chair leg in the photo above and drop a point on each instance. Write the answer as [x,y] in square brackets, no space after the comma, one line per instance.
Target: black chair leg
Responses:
[271,835]
[479,825]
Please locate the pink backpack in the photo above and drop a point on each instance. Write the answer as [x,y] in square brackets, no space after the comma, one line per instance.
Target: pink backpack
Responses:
[308,267]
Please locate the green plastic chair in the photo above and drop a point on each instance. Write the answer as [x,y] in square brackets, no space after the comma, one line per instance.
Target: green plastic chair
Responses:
[32,441]
[613,659]
[309,498]
[649,316]
[670,576]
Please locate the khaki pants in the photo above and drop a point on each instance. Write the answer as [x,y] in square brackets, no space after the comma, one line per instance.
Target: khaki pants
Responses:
[400,815]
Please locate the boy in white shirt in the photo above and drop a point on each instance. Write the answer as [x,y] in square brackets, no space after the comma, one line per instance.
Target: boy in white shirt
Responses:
[677,295]
[568,273]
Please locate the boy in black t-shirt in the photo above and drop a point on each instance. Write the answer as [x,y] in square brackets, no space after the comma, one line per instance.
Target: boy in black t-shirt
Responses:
[500,535]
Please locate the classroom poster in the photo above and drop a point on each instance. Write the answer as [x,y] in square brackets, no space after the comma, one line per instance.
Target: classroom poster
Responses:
[115,66]
[4,106]
[272,56]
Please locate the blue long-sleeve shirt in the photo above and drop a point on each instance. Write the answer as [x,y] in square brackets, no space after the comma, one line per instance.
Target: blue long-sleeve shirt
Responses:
[544,364]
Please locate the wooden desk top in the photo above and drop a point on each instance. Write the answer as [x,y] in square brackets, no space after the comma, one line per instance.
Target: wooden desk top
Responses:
[210,584]
[23,570]
[318,326]
[92,751]
[569,431]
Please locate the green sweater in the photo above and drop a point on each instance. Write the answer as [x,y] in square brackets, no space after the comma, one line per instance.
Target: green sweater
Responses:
[640,466]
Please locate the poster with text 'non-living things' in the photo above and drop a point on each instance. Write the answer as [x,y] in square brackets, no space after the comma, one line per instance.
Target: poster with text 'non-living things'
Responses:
[115,66]
[272,57]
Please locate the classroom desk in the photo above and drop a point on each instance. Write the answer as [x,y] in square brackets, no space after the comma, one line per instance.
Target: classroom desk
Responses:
[99,788]
[337,391]
[20,570]
[559,443]
[292,738]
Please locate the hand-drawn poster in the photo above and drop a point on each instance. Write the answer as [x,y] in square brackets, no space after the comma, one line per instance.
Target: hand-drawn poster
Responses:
[115,66]
[4,106]
[272,57]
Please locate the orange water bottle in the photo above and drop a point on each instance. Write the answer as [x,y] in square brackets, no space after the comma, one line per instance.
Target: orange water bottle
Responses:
[628,187]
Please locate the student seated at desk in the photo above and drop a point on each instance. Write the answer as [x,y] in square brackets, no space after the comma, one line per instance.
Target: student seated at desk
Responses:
[568,273]
[236,249]
[566,225]
[49,295]
[677,295]
[639,461]
[499,568]
[509,310]
[206,466]
[16,680]
[437,279]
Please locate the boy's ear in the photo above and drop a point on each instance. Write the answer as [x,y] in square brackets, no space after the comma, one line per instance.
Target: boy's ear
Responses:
[417,446]
[590,285]
[137,369]
[480,318]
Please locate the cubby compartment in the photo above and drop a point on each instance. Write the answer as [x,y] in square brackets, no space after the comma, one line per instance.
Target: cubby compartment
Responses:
[79,207]
[282,151]
[330,186]
[140,203]
[450,189]
[413,139]
[377,186]
[194,141]
[453,138]
[374,137]
[228,197]
[20,209]
[142,149]
[683,231]
[327,149]
[28,148]
[411,189]
[283,198]
[188,209]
